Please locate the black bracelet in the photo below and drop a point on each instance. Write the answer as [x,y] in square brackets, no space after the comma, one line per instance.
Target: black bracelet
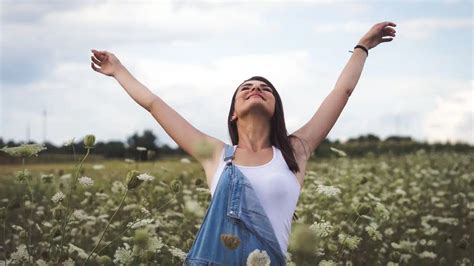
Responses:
[362,47]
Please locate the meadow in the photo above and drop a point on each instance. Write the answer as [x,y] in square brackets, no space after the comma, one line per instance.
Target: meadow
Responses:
[416,209]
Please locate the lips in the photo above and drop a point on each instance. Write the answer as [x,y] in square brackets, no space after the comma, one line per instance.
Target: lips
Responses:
[255,94]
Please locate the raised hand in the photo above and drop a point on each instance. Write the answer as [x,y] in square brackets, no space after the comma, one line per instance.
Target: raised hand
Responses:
[375,35]
[108,63]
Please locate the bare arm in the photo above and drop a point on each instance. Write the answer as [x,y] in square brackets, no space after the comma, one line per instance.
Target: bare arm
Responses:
[318,127]
[181,131]
[141,94]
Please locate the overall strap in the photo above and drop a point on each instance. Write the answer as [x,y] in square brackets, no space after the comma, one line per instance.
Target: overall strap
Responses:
[229,153]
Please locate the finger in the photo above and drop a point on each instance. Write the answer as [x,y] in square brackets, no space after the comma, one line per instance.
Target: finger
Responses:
[99,55]
[389,23]
[97,62]
[95,68]
[386,39]
[388,33]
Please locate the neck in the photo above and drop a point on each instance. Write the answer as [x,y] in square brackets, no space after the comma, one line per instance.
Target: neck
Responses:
[254,133]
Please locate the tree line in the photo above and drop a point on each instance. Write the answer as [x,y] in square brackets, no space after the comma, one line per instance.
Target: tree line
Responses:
[354,147]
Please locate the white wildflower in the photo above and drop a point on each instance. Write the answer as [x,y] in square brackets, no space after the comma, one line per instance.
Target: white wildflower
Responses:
[185,160]
[258,258]
[427,254]
[448,220]
[322,229]
[17,227]
[127,160]
[118,187]
[405,258]
[405,245]
[155,244]
[350,242]
[20,254]
[176,252]
[372,231]
[65,176]
[100,195]
[98,166]
[80,252]
[381,212]
[39,262]
[339,152]
[139,223]
[24,150]
[328,190]
[327,263]
[123,255]
[86,181]
[145,177]
[68,262]
[145,211]
[193,206]
[59,196]
[80,215]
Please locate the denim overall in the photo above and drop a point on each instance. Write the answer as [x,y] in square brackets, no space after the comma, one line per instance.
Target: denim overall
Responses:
[234,209]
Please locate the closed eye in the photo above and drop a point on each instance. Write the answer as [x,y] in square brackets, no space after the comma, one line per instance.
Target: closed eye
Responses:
[244,88]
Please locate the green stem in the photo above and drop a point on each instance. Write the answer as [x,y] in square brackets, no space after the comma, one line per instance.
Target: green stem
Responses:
[31,210]
[126,229]
[120,235]
[342,244]
[106,227]
[5,237]
[73,152]
[68,205]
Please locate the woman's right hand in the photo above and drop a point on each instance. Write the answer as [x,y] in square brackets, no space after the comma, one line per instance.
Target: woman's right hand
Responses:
[108,62]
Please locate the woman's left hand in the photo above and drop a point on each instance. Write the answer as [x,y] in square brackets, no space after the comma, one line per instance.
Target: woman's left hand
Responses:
[374,36]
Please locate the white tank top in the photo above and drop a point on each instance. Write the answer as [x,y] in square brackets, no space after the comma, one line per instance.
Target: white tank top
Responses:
[277,189]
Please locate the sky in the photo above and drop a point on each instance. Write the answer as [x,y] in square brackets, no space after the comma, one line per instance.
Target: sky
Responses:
[194,54]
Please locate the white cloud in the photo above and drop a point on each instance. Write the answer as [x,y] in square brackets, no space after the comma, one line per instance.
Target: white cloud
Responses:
[81,101]
[452,118]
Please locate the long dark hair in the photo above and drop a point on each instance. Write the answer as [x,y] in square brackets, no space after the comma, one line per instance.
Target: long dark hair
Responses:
[278,133]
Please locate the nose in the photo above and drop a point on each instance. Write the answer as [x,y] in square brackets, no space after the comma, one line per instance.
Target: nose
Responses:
[258,88]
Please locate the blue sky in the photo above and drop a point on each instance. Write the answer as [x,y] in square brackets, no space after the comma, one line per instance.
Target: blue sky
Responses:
[193,54]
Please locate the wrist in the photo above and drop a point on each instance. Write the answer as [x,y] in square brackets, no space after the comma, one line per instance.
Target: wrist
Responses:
[363,43]
[120,70]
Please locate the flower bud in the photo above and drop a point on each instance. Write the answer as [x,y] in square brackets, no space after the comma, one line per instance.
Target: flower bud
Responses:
[104,260]
[89,141]
[23,235]
[230,241]
[59,212]
[363,209]
[198,182]
[175,186]
[141,238]
[132,179]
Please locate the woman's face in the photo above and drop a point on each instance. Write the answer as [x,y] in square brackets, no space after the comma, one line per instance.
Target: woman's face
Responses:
[255,97]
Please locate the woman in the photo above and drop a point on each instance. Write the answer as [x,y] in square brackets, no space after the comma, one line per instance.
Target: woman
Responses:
[255,183]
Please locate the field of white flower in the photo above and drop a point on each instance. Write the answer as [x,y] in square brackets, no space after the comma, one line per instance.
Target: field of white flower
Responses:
[407,210]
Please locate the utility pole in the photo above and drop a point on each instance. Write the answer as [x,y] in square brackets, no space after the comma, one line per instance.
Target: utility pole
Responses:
[44,125]
[27,132]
